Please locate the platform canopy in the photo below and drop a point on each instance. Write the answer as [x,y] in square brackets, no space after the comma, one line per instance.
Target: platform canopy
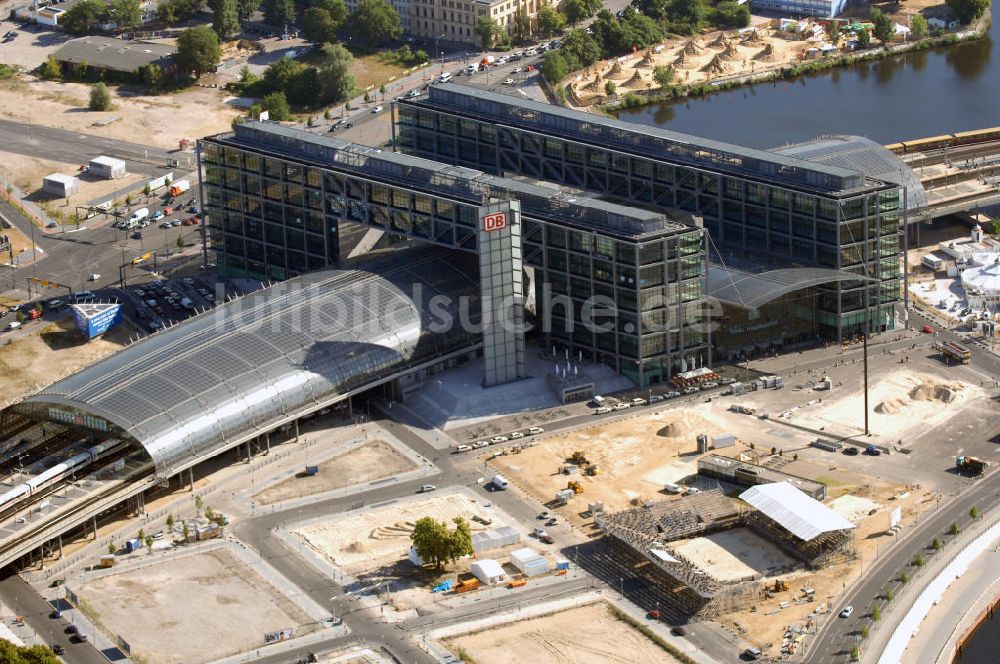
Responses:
[804,517]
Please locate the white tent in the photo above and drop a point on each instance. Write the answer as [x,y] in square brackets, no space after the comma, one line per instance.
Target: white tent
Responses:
[488,571]
[793,510]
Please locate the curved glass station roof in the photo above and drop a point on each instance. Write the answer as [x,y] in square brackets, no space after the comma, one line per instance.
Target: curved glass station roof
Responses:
[752,290]
[194,389]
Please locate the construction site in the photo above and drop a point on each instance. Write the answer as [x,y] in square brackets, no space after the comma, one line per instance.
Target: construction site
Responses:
[362,541]
[188,608]
[590,634]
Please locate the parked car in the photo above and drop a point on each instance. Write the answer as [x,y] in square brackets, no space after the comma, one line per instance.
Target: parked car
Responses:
[534,431]
[547,539]
[508,81]
[851,451]
[427,488]
[848,610]
[58,649]
[516,434]
[158,215]
[377,109]
[480,444]
[498,439]
[539,533]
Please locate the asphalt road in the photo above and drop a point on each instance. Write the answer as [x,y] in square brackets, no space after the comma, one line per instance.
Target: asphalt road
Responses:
[835,638]
[18,595]
[76,148]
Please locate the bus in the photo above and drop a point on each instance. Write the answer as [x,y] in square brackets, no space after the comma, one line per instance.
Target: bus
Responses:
[955,352]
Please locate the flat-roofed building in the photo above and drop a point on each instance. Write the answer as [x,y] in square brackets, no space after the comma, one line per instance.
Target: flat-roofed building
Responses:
[118,57]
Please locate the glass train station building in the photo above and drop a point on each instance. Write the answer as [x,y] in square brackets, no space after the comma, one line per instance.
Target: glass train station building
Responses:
[762,209]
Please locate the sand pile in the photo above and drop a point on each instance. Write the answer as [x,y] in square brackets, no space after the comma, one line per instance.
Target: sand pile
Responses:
[732,52]
[594,85]
[636,81]
[617,72]
[890,407]
[694,47]
[753,38]
[720,42]
[936,392]
[767,55]
[684,62]
[685,424]
[646,62]
[717,66]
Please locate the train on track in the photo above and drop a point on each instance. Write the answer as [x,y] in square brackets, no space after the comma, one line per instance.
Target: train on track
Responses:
[56,473]
[957,140]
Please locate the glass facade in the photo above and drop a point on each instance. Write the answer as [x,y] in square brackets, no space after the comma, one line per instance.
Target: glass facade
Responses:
[276,201]
[800,214]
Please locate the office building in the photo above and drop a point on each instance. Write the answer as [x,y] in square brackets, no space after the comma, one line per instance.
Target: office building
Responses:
[762,209]
[281,202]
[821,8]
[455,20]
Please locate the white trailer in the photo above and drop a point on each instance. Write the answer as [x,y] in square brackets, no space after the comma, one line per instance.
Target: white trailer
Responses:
[108,168]
[931,261]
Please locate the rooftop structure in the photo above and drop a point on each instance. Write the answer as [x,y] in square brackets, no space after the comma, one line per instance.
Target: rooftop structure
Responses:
[654,141]
[113,54]
[862,154]
[206,384]
[795,511]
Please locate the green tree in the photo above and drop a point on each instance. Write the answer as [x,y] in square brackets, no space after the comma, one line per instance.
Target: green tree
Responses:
[279,13]
[549,21]
[82,17]
[610,88]
[336,9]
[317,26]
[280,74]
[663,75]
[953,528]
[889,595]
[431,539]
[575,11]
[198,50]
[877,613]
[918,26]
[730,14]
[198,502]
[864,39]
[100,98]
[142,535]
[973,512]
[172,11]
[904,578]
[335,78]
[124,13]
[50,69]
[246,8]
[82,70]
[554,67]
[995,227]
[111,549]
[185,531]
[179,242]
[375,21]
[521,24]
[968,11]
[225,18]
[12,654]
[152,76]
[919,560]
[580,49]
[855,654]
[149,543]
[486,30]
[170,521]
[146,190]
[884,29]
[936,544]
[276,104]
[460,539]
[864,632]
[693,12]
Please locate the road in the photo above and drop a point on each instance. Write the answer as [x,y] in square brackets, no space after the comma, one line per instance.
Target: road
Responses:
[19,596]
[835,638]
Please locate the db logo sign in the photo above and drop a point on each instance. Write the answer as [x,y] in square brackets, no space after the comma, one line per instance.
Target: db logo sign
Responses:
[495,221]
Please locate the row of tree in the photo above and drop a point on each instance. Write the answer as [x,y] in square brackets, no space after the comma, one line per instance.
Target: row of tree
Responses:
[287,83]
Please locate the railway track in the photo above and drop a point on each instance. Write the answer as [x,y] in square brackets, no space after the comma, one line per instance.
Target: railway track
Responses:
[64,521]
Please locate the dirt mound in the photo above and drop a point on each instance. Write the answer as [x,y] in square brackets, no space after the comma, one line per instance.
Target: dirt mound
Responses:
[890,406]
[694,47]
[753,38]
[732,52]
[685,424]
[942,392]
[637,81]
[617,72]
[684,62]
[767,55]
[717,66]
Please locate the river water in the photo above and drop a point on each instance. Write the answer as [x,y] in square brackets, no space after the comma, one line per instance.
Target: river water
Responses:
[984,644]
[920,94]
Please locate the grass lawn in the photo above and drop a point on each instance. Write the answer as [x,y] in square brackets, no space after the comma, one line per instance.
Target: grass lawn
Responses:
[367,69]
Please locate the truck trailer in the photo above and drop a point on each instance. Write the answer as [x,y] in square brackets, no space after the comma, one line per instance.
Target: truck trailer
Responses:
[971,465]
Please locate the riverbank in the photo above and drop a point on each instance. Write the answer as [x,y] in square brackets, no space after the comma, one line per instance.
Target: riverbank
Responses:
[785,71]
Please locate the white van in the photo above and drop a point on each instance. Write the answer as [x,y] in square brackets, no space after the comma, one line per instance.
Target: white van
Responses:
[138,215]
[13,325]
[673,488]
[445,77]
[598,401]
[500,482]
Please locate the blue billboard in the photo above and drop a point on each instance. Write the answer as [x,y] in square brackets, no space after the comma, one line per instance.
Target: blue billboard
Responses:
[96,319]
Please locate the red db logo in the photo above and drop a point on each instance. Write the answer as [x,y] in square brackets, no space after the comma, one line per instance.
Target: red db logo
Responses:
[494,222]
